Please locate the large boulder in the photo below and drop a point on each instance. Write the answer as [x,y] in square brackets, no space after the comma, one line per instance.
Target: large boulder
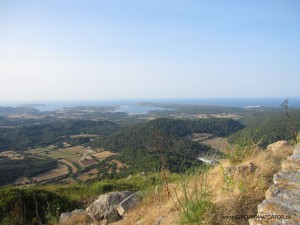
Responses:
[111,206]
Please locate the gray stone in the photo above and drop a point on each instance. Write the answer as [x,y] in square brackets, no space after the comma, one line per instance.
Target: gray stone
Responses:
[112,216]
[64,217]
[104,206]
[129,203]
[283,198]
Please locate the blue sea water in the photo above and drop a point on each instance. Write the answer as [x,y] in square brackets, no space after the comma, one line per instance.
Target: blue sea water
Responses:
[132,106]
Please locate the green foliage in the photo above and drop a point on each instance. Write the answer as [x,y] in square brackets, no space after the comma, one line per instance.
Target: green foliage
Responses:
[162,143]
[228,180]
[80,191]
[22,137]
[237,153]
[29,166]
[22,206]
[266,127]
[196,206]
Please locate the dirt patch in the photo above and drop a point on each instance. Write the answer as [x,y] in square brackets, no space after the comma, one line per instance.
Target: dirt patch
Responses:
[218,143]
[84,136]
[87,162]
[57,172]
[74,150]
[104,154]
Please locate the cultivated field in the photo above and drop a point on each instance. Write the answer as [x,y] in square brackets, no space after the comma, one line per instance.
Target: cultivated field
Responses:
[103,155]
[57,172]
[218,143]
[74,169]
[12,155]
[76,157]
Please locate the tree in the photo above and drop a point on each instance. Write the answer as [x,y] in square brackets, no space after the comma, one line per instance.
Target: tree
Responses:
[285,106]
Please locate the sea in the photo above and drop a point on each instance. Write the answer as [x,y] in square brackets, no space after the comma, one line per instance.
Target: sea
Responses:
[135,106]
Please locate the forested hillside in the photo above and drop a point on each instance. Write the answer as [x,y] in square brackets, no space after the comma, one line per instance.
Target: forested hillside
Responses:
[266,127]
[28,166]
[20,138]
[162,143]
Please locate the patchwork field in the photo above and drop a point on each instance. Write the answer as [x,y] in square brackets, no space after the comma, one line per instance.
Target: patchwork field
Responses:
[72,154]
[72,160]
[12,155]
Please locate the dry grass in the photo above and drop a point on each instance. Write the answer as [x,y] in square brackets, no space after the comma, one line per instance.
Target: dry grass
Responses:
[235,192]
[157,205]
[239,192]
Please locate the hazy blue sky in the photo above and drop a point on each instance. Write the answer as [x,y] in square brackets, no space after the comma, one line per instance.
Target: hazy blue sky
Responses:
[93,49]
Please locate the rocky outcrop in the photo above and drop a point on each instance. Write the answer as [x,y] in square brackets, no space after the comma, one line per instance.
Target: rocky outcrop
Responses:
[112,206]
[282,203]
[107,208]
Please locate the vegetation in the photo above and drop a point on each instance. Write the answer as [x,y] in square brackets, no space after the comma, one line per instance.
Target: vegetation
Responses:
[196,203]
[23,137]
[30,166]
[162,143]
[266,127]
[159,147]
[22,206]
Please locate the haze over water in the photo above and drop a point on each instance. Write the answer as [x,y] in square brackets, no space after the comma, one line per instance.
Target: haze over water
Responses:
[136,105]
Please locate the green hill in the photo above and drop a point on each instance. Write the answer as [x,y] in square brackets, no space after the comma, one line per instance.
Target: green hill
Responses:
[162,143]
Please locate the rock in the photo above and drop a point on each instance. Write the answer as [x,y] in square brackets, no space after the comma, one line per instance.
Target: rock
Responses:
[275,147]
[127,204]
[292,163]
[241,170]
[64,217]
[283,197]
[107,206]
[76,217]
[159,220]
[112,216]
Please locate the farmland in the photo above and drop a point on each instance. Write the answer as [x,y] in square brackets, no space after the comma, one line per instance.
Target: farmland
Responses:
[73,162]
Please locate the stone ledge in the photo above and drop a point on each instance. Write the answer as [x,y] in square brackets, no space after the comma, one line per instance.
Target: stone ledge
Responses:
[283,197]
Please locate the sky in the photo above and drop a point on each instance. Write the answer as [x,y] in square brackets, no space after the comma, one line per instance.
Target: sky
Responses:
[142,49]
